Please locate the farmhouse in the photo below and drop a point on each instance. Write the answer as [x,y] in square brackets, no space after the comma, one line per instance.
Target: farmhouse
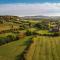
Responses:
[54,29]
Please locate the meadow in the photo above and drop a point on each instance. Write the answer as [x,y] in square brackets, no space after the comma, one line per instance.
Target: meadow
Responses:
[11,50]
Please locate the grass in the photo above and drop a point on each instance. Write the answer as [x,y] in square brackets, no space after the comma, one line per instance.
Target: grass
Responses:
[32,29]
[44,32]
[11,50]
[32,21]
[6,34]
[8,25]
[44,48]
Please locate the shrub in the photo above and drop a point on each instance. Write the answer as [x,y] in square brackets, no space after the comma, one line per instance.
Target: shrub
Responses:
[28,33]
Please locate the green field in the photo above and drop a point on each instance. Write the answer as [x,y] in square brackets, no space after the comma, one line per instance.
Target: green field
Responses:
[29,39]
[7,26]
[9,51]
[44,48]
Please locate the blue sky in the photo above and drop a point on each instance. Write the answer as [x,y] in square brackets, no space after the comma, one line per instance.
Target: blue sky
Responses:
[30,7]
[28,1]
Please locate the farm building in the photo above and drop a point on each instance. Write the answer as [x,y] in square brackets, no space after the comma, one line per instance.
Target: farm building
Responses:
[54,29]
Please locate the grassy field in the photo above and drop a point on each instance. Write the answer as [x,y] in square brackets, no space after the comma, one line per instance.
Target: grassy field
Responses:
[6,34]
[44,48]
[7,26]
[29,40]
[9,51]
[44,32]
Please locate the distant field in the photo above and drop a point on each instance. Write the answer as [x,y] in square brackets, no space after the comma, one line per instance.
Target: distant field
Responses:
[42,32]
[32,29]
[8,26]
[44,48]
[6,34]
[9,51]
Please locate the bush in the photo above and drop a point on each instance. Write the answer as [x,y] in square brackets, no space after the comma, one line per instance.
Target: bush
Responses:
[8,39]
[28,33]
[56,34]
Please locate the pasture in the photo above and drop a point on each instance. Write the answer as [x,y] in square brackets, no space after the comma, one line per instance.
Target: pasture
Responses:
[10,50]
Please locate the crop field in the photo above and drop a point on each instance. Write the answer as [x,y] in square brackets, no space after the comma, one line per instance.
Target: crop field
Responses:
[44,48]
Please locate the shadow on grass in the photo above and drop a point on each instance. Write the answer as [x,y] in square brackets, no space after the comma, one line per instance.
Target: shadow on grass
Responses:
[22,55]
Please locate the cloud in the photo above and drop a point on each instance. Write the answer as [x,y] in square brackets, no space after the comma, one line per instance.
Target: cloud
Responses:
[23,9]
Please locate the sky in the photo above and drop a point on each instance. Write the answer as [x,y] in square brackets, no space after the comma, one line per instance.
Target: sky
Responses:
[30,7]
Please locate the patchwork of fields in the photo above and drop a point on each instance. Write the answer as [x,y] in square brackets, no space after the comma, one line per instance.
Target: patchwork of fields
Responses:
[44,48]
[29,39]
